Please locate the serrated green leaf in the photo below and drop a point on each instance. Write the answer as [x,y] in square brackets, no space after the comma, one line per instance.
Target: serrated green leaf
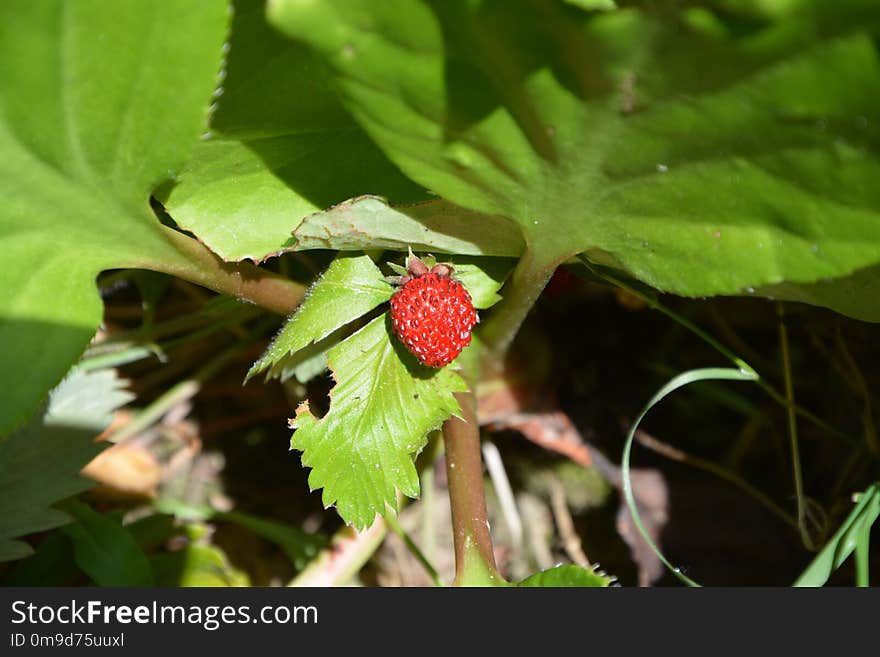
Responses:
[845,540]
[104,549]
[351,287]
[382,407]
[87,400]
[99,102]
[436,226]
[304,370]
[41,461]
[567,575]
[283,147]
[703,161]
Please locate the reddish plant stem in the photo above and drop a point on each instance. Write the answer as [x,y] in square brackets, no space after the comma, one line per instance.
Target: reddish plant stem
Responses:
[464,472]
[241,280]
[473,543]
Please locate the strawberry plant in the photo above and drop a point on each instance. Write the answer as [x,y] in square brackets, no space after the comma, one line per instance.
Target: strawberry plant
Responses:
[384,174]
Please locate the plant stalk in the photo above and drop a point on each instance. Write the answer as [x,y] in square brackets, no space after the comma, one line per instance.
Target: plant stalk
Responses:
[474,556]
[241,280]
[521,291]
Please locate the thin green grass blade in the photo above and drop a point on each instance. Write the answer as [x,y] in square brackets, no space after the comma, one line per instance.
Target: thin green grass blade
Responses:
[851,536]
[863,549]
[692,376]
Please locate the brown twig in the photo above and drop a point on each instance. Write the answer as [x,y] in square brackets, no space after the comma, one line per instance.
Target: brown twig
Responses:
[571,542]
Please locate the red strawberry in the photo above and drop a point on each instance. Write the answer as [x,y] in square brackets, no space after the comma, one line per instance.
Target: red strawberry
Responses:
[432,314]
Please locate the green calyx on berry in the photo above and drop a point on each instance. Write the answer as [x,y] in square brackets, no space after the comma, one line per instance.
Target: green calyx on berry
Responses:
[432,313]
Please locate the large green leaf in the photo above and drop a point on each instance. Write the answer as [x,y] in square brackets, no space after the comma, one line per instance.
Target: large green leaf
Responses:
[41,461]
[853,295]
[283,147]
[381,410]
[703,156]
[99,102]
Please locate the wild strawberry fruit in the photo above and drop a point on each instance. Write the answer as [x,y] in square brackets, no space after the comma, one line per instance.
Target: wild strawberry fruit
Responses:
[432,313]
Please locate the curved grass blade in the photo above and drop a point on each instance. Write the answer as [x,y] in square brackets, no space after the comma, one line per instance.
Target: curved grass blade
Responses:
[692,376]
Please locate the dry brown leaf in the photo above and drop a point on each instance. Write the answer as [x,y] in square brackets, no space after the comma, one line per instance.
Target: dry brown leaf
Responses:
[125,471]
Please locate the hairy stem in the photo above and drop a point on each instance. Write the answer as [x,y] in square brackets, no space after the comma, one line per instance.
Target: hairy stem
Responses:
[241,280]
[474,556]
[520,293]
[464,472]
